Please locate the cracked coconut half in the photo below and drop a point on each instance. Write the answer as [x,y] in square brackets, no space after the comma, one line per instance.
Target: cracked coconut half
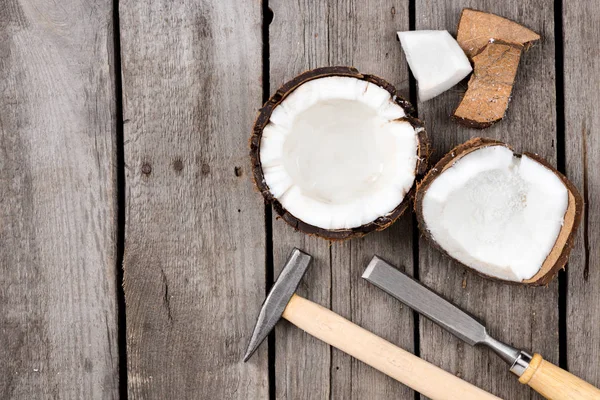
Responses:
[337,152]
[504,215]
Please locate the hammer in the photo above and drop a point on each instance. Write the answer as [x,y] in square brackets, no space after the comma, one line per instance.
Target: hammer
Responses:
[350,338]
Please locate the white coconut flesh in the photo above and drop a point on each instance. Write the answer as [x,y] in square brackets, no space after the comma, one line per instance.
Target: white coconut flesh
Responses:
[496,213]
[435,59]
[335,154]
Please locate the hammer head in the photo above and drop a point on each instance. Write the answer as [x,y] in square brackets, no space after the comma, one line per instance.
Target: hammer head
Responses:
[279,296]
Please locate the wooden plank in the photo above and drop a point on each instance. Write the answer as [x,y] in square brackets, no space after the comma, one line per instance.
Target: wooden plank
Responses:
[298,41]
[195,240]
[306,35]
[524,317]
[582,145]
[58,321]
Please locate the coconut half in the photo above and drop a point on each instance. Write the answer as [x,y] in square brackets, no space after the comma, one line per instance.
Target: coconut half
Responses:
[504,215]
[337,152]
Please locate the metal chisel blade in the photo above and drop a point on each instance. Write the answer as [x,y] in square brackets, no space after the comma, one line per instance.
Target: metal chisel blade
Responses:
[424,301]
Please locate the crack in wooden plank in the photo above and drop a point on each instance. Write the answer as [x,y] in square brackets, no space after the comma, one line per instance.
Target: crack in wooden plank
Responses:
[166,297]
[586,203]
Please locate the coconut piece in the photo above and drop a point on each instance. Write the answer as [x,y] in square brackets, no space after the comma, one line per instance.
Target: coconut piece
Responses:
[435,59]
[337,152]
[486,99]
[477,28]
[506,216]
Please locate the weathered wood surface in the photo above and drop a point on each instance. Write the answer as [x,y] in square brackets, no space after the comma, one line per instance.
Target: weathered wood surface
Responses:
[306,35]
[58,324]
[524,317]
[195,240]
[581,28]
[195,232]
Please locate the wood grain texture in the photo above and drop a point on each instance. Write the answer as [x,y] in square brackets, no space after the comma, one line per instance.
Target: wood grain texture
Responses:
[305,35]
[524,317]
[581,28]
[555,383]
[298,41]
[58,324]
[380,354]
[194,260]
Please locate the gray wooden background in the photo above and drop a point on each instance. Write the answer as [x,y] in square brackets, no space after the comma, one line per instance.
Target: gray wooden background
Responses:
[135,252]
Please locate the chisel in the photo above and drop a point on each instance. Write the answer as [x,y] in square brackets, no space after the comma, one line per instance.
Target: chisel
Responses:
[542,376]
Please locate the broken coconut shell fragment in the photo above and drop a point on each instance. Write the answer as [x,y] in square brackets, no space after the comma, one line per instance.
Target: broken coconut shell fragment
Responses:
[337,153]
[506,216]
[477,28]
[495,45]
[486,99]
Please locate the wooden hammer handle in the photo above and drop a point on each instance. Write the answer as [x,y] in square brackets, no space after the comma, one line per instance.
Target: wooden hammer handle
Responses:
[380,354]
[555,383]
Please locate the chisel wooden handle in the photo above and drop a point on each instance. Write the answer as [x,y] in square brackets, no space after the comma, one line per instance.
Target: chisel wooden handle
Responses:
[380,354]
[555,383]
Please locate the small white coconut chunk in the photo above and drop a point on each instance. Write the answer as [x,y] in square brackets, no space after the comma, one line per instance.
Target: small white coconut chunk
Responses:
[336,155]
[435,59]
[496,213]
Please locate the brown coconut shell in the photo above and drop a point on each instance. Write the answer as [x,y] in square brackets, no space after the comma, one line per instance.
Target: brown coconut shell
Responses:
[486,100]
[494,44]
[263,119]
[477,28]
[558,256]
